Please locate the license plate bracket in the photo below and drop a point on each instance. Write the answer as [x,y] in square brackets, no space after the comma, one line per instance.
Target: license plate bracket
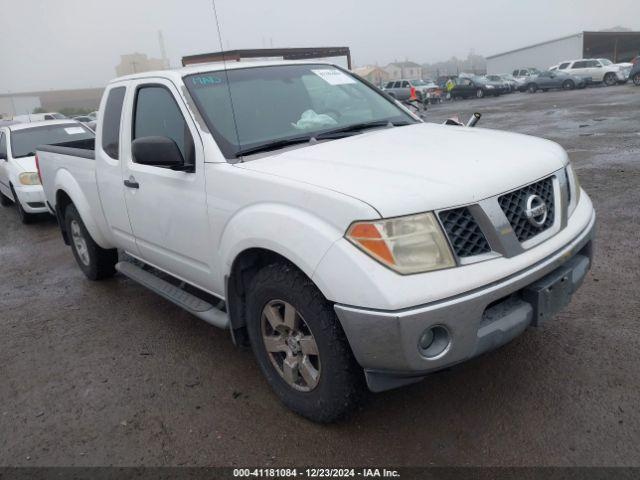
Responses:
[553,292]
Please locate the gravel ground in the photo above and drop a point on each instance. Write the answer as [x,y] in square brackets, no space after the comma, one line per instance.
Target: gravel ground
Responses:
[110,374]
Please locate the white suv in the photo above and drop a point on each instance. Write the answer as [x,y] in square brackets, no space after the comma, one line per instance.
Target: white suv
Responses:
[597,70]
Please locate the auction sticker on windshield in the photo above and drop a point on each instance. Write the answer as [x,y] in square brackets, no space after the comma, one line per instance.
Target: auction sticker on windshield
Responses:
[74,130]
[333,76]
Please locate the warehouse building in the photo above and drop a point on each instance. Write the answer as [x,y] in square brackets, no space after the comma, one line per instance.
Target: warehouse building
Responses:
[617,46]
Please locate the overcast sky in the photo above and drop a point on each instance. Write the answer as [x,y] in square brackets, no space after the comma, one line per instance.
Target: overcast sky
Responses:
[52,44]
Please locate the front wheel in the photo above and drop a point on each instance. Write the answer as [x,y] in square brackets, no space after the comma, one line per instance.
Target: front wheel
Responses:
[300,346]
[568,85]
[533,88]
[480,93]
[610,79]
[636,79]
[94,261]
[25,218]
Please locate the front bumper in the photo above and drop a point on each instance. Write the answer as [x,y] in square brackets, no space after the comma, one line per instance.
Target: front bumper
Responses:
[623,75]
[32,198]
[386,343]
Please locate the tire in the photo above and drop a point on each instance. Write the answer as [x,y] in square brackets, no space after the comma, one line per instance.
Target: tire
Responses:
[636,79]
[568,85]
[610,79]
[25,218]
[337,386]
[4,200]
[95,262]
[479,93]
[532,88]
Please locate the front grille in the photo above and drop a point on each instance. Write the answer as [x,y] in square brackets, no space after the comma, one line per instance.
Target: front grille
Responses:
[464,233]
[514,205]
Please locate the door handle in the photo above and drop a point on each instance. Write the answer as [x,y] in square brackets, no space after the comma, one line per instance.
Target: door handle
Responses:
[131,183]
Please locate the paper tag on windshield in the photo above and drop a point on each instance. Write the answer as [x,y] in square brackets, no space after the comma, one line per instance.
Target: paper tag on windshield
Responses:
[74,130]
[333,76]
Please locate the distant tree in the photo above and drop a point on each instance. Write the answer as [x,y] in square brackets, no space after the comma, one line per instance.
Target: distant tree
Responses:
[39,110]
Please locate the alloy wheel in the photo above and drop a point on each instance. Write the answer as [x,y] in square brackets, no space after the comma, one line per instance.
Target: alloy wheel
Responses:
[290,345]
[79,243]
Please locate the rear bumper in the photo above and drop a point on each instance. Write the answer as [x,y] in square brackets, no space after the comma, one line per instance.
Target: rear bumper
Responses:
[385,343]
[32,198]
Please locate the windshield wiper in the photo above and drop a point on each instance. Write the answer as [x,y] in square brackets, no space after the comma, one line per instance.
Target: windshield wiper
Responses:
[358,128]
[265,147]
[338,132]
[30,154]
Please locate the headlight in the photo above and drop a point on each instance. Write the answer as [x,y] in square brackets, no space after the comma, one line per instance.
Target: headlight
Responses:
[409,244]
[29,178]
[574,188]
[490,86]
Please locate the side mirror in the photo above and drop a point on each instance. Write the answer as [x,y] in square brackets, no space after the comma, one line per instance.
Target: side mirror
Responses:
[157,151]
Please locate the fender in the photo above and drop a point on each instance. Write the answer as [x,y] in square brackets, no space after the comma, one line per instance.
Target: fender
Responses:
[67,183]
[292,232]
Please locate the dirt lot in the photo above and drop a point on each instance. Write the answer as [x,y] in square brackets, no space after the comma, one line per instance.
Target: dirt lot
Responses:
[111,374]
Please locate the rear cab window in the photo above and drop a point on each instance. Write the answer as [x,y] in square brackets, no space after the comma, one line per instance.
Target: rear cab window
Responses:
[111,122]
[3,146]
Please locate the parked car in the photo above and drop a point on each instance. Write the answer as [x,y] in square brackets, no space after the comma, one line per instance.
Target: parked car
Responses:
[555,80]
[87,120]
[634,74]
[475,87]
[345,240]
[511,80]
[401,89]
[38,117]
[19,180]
[505,86]
[523,74]
[597,70]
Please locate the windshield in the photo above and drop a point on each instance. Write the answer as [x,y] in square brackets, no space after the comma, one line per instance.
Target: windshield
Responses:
[249,107]
[418,83]
[24,142]
[606,62]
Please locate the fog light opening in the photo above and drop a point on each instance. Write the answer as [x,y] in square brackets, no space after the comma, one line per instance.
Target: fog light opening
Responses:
[434,341]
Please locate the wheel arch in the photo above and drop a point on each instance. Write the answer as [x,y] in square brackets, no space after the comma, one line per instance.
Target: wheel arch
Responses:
[245,265]
[69,192]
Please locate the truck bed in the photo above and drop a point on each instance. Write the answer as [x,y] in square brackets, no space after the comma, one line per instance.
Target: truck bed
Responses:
[78,148]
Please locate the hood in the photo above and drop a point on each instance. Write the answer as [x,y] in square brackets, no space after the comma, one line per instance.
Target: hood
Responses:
[404,170]
[26,164]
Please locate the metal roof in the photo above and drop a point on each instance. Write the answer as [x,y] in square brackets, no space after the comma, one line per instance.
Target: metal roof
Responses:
[285,53]
[535,45]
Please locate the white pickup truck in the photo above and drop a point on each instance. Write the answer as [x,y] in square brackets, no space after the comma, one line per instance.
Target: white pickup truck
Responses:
[348,242]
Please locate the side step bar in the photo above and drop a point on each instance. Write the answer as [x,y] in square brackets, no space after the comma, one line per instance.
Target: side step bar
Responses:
[194,305]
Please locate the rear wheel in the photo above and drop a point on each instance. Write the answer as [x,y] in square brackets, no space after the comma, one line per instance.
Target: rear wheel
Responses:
[533,88]
[94,261]
[25,218]
[568,85]
[300,346]
[610,79]
[636,79]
